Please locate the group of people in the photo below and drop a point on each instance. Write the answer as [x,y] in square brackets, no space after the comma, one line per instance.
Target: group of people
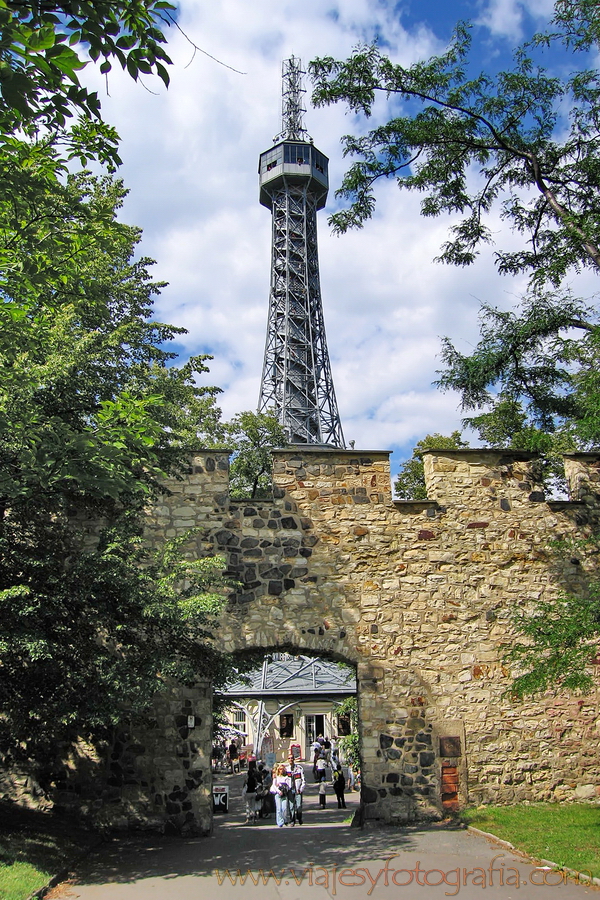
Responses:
[285,788]
[257,792]
[326,750]
[226,755]
[279,791]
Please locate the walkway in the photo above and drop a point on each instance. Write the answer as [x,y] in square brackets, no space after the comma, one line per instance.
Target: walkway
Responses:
[320,860]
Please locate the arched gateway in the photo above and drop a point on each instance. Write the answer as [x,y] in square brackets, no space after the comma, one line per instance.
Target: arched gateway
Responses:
[417,595]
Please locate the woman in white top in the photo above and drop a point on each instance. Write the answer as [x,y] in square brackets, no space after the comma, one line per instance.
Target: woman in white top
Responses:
[279,788]
[321,769]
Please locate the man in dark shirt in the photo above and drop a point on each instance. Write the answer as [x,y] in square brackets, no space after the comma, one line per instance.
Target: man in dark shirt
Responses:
[234,757]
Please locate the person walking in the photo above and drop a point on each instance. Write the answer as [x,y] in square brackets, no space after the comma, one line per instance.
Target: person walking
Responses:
[335,756]
[279,789]
[234,757]
[350,778]
[339,786]
[266,801]
[316,753]
[321,769]
[322,795]
[295,773]
[249,789]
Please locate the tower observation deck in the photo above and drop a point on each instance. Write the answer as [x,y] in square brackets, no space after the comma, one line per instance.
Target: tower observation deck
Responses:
[296,378]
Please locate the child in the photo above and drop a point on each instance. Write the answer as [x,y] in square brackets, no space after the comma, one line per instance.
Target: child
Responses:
[322,796]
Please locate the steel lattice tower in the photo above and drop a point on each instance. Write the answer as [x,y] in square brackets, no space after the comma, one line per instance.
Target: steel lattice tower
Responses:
[296,379]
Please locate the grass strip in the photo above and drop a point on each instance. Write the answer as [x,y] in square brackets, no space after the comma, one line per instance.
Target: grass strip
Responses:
[35,846]
[568,834]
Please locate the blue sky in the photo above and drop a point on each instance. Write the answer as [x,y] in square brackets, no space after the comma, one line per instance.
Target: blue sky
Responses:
[190,161]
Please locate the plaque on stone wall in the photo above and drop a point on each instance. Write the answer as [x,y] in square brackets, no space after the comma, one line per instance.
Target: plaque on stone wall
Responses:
[450,746]
[450,786]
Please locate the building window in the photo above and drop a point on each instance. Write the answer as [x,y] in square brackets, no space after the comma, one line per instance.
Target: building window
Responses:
[286,726]
[270,159]
[239,719]
[343,726]
[297,154]
[319,161]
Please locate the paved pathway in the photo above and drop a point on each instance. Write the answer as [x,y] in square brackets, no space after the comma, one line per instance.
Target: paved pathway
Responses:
[322,859]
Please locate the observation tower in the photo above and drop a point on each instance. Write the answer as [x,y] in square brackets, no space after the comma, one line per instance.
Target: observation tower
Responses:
[296,378]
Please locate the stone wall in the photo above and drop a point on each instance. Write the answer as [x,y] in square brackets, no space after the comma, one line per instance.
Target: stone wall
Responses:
[155,777]
[417,595]
[159,776]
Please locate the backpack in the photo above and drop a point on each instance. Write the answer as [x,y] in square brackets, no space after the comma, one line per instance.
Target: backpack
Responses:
[338,780]
[251,783]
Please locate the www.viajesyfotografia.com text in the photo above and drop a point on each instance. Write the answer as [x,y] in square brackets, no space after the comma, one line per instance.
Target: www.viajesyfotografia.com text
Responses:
[497,874]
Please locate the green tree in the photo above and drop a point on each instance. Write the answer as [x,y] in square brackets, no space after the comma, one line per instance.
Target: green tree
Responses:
[558,637]
[524,141]
[349,744]
[90,633]
[508,126]
[93,416]
[410,484]
[542,357]
[45,43]
[253,437]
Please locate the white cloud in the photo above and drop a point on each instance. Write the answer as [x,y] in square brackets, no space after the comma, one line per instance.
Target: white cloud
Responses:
[504,18]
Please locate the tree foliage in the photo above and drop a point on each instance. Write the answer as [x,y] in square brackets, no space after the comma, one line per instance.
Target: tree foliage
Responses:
[543,358]
[91,631]
[93,416]
[44,44]
[539,164]
[410,484]
[525,142]
[252,437]
[87,382]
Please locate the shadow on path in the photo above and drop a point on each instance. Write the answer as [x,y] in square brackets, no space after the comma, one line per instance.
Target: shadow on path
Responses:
[306,863]
[325,839]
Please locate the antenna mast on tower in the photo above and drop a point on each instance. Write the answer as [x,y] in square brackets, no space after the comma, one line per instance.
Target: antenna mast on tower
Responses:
[296,379]
[292,110]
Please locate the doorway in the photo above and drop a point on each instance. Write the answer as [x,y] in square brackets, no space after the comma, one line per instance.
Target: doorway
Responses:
[315,725]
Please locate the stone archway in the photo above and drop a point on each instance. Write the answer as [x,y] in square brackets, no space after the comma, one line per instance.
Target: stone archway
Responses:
[415,594]
[318,571]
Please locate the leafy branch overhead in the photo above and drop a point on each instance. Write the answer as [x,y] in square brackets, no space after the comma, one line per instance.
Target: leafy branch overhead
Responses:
[523,142]
[540,164]
[45,45]
[93,416]
[544,354]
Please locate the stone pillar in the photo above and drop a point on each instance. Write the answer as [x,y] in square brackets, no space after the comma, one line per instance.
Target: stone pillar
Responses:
[482,479]
[160,775]
[199,499]
[582,471]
